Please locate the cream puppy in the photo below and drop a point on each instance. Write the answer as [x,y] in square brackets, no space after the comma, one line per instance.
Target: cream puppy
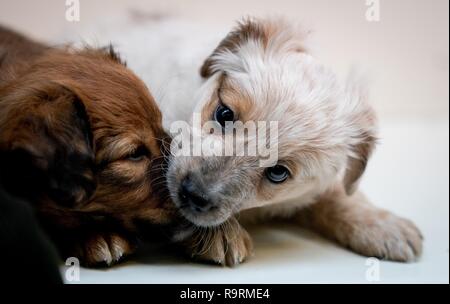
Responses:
[262,71]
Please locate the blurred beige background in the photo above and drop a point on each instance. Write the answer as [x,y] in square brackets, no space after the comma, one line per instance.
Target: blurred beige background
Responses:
[406,55]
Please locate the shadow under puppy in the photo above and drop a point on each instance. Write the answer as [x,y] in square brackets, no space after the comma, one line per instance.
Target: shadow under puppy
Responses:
[262,71]
[81,138]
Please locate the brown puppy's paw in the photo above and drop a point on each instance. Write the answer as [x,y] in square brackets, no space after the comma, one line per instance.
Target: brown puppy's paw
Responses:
[102,250]
[227,245]
[386,236]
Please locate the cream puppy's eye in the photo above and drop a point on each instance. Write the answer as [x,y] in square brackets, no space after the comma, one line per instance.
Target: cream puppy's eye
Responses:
[223,114]
[139,154]
[277,174]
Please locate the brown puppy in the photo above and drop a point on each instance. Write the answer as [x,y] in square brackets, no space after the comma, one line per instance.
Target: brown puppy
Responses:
[81,137]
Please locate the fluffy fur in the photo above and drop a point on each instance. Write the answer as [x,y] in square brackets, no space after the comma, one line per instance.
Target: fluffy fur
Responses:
[82,139]
[263,71]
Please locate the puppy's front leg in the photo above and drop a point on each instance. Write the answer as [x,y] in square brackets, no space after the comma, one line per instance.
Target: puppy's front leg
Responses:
[101,249]
[353,222]
[228,244]
[96,240]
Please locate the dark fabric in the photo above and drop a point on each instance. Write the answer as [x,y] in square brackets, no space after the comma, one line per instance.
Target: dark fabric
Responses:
[26,255]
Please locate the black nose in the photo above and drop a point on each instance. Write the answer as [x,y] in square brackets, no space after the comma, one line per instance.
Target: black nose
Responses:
[191,196]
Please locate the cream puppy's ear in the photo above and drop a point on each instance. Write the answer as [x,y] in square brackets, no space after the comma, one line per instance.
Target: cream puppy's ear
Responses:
[247,29]
[357,163]
[364,135]
[273,35]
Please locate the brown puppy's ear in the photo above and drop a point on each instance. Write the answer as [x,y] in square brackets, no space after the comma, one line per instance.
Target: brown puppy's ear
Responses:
[112,54]
[47,148]
[248,29]
[357,163]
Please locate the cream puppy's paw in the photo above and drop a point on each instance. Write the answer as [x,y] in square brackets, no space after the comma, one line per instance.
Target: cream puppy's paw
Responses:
[227,245]
[355,223]
[386,236]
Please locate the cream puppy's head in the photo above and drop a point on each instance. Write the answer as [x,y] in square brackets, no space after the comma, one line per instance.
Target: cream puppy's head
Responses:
[262,71]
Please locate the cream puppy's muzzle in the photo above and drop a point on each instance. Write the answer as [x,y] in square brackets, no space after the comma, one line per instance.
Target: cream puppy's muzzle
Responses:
[208,190]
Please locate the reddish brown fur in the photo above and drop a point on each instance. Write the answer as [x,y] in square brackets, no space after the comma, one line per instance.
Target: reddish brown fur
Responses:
[43,92]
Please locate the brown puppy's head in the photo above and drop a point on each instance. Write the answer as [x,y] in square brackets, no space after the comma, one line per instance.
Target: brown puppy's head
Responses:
[84,132]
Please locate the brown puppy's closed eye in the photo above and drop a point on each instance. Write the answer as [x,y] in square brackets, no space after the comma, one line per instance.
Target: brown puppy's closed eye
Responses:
[81,138]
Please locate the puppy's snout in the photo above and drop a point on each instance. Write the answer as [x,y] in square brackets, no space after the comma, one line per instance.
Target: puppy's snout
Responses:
[192,196]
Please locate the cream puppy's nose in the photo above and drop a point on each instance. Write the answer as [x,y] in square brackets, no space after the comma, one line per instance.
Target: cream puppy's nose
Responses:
[191,196]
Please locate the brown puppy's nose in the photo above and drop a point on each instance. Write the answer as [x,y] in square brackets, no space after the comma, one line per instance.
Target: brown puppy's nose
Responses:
[191,196]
